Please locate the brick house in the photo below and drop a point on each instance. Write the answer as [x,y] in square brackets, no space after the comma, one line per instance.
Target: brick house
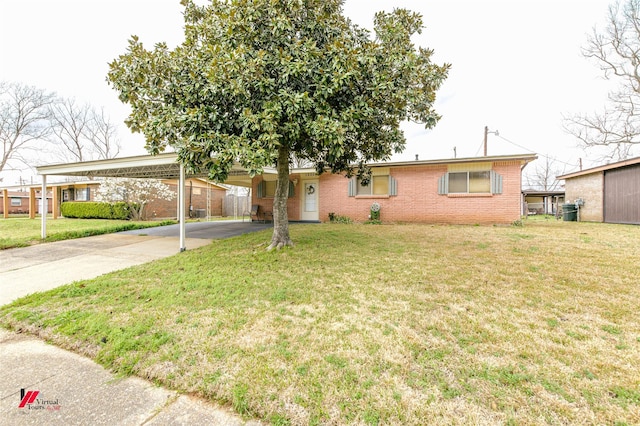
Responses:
[18,202]
[610,193]
[483,190]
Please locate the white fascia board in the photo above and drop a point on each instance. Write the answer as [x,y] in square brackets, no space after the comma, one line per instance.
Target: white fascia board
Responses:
[87,167]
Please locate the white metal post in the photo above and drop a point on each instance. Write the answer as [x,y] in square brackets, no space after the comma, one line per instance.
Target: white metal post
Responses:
[181,208]
[44,205]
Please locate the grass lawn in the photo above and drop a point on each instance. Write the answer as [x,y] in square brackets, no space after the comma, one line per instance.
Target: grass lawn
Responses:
[376,324]
[22,232]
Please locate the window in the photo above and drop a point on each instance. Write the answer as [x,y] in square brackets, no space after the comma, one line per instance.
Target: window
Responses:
[270,188]
[382,185]
[16,202]
[267,189]
[82,194]
[378,185]
[477,182]
[470,182]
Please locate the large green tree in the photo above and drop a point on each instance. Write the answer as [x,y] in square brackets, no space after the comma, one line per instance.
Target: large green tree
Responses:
[262,81]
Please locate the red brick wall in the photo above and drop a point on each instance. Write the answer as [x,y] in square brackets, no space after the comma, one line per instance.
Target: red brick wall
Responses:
[23,208]
[168,209]
[417,200]
[266,203]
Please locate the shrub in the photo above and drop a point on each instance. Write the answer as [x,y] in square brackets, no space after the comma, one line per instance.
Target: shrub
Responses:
[122,210]
[374,212]
[96,210]
[336,218]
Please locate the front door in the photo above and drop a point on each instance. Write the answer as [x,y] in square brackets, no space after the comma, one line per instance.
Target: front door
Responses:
[310,200]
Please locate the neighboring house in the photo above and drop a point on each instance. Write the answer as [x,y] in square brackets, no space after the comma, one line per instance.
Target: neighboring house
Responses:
[542,202]
[611,193]
[18,201]
[466,191]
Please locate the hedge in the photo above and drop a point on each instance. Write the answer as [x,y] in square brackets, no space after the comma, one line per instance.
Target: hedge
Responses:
[96,210]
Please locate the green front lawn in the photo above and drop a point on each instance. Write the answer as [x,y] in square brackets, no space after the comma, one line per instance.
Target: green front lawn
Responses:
[376,324]
[22,232]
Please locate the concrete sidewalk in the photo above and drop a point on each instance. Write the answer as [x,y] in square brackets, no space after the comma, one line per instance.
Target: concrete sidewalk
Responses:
[71,389]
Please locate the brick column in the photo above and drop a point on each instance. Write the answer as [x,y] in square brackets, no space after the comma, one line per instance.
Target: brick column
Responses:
[32,203]
[54,201]
[5,202]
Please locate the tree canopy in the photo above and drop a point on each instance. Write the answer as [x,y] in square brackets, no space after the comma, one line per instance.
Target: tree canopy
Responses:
[260,82]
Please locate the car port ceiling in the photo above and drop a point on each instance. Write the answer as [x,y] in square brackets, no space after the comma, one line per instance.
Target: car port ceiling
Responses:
[161,166]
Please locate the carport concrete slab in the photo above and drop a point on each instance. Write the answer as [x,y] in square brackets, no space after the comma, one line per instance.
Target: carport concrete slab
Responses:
[151,247]
[79,391]
[207,230]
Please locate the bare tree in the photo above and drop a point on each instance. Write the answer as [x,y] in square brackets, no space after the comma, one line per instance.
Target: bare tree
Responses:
[103,135]
[543,176]
[82,132]
[68,121]
[616,50]
[24,113]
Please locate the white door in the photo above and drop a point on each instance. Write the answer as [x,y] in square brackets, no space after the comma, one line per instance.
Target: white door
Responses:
[309,200]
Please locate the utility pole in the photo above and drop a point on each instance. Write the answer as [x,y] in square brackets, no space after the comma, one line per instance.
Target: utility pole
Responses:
[580,163]
[486,132]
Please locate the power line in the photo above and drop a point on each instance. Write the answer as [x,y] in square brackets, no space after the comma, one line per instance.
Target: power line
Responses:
[479,148]
[541,155]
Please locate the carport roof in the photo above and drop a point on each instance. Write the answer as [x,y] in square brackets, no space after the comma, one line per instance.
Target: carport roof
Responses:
[160,166]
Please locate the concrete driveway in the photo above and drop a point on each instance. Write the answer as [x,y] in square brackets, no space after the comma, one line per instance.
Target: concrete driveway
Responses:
[46,266]
[207,230]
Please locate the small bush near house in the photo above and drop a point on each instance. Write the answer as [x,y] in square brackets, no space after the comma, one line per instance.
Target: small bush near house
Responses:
[96,210]
[336,218]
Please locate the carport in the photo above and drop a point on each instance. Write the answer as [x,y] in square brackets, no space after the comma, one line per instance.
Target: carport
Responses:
[161,166]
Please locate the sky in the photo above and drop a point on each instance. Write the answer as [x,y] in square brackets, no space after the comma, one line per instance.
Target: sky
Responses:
[516,66]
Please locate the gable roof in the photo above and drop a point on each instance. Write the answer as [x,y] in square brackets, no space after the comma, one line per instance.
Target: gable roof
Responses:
[598,169]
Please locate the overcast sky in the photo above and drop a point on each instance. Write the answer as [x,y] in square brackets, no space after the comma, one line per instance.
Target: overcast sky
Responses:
[516,64]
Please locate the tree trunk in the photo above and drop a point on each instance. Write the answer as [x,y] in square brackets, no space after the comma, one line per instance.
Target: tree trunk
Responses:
[280,236]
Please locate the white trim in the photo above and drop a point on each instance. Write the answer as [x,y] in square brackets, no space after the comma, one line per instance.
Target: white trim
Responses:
[45,208]
[313,215]
[181,206]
